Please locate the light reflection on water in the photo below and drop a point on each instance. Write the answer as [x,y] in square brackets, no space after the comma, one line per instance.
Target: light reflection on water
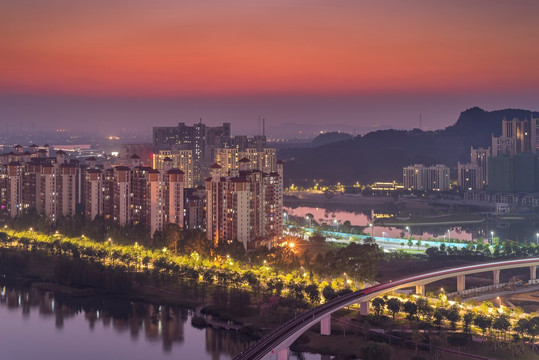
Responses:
[524,230]
[322,215]
[62,327]
[35,324]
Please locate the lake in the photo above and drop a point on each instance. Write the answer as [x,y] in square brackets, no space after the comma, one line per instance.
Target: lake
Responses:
[36,324]
[517,230]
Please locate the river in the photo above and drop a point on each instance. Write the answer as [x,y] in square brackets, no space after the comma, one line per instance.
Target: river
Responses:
[517,230]
[36,324]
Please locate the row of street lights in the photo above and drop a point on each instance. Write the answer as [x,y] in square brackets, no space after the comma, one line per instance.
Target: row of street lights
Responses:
[336,223]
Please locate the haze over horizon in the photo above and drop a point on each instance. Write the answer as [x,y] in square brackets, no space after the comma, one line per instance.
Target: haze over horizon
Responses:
[105,65]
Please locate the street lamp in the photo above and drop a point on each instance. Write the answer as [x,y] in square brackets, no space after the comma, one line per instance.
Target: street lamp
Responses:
[448,235]
[336,224]
[492,238]
[383,234]
[372,230]
[285,216]
[536,238]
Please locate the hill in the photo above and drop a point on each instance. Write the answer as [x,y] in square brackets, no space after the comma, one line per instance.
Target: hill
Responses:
[381,155]
[330,137]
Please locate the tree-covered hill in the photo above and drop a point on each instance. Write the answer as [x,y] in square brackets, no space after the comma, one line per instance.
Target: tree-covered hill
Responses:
[381,155]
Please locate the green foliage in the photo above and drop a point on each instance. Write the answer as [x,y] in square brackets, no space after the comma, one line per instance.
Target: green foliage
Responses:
[375,351]
[394,305]
[410,308]
[328,293]
[378,305]
[483,322]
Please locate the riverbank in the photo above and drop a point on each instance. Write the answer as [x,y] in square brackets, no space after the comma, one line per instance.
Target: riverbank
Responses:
[360,202]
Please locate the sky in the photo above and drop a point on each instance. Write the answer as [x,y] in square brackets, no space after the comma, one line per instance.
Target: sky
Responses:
[136,64]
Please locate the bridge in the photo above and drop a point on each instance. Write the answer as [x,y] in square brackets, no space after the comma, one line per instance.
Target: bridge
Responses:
[275,345]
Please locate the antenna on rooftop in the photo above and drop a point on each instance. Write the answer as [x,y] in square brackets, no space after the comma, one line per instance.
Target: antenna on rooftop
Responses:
[420,122]
[258,124]
[264,126]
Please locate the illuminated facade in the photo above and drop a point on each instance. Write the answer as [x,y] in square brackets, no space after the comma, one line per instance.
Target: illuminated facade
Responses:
[244,204]
[517,136]
[136,194]
[426,178]
[264,159]
[181,159]
[51,186]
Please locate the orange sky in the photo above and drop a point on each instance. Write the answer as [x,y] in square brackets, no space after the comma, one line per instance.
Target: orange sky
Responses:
[167,47]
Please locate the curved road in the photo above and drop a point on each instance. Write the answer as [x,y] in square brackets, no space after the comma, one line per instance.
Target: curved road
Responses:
[283,336]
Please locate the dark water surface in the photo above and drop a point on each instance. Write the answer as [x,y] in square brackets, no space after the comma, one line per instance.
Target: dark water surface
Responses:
[37,324]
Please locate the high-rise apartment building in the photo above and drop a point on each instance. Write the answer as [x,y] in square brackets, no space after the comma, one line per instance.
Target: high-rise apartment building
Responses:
[513,166]
[205,142]
[469,176]
[136,194]
[244,204]
[31,179]
[180,159]
[474,175]
[264,159]
[517,136]
[426,178]
[199,138]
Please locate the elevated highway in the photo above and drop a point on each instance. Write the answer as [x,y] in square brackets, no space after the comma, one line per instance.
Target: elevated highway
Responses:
[275,344]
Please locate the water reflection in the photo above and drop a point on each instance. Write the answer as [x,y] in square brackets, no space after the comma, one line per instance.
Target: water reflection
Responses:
[131,322]
[521,229]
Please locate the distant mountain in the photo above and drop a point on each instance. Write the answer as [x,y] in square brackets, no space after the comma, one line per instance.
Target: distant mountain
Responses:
[381,155]
[301,131]
[330,137]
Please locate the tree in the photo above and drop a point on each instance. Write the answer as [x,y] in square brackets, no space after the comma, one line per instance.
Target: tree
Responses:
[533,328]
[313,293]
[394,305]
[439,315]
[467,320]
[483,322]
[410,309]
[424,308]
[375,351]
[501,324]
[378,304]
[431,252]
[418,243]
[453,316]
[410,243]
[328,293]
[172,236]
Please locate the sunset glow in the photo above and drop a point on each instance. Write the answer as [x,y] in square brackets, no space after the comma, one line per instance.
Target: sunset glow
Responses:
[266,47]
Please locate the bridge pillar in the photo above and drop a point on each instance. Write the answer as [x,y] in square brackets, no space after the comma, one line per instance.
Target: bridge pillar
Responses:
[533,272]
[325,325]
[364,308]
[420,290]
[461,282]
[496,274]
[282,354]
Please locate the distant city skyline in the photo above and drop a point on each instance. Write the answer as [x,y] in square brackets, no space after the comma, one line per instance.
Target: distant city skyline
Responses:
[89,65]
